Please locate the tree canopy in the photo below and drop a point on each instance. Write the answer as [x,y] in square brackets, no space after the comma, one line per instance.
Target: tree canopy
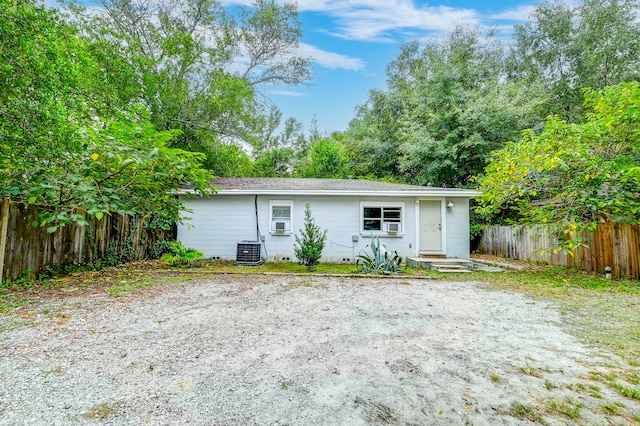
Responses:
[112,108]
[67,140]
[197,67]
[327,158]
[572,175]
[448,105]
[451,101]
[568,47]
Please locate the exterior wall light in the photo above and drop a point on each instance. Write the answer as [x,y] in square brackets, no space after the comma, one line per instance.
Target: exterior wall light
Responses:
[449,204]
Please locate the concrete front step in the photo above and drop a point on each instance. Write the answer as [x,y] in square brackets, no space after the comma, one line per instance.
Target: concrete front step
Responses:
[437,265]
[433,256]
[450,270]
[440,264]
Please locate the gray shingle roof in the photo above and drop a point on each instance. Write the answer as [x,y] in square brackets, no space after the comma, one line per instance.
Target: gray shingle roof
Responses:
[308,184]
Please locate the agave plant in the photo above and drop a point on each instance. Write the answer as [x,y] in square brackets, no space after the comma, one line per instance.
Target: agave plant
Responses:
[180,255]
[381,260]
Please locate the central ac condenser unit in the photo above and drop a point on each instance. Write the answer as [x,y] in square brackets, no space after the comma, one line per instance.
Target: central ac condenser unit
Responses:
[248,253]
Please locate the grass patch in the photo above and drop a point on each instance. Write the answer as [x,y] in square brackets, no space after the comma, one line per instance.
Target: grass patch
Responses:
[307,282]
[611,379]
[610,409]
[280,267]
[9,302]
[103,411]
[526,412]
[594,391]
[632,377]
[127,287]
[288,267]
[58,371]
[495,378]
[628,391]
[135,277]
[591,390]
[569,407]
[19,323]
[531,371]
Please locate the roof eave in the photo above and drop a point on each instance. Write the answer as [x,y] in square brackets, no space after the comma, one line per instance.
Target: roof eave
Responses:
[402,193]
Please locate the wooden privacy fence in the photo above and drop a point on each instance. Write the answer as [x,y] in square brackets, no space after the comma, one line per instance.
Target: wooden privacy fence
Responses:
[28,249]
[614,245]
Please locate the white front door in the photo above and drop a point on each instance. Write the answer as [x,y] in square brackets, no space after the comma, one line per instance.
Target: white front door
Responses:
[430,226]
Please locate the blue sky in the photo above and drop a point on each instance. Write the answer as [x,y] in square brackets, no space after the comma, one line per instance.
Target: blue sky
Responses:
[352,41]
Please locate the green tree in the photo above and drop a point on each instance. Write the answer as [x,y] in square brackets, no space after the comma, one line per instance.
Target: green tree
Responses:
[449,104]
[372,139]
[124,167]
[327,159]
[182,53]
[275,162]
[269,33]
[572,175]
[279,154]
[593,44]
[45,87]
[309,245]
[65,140]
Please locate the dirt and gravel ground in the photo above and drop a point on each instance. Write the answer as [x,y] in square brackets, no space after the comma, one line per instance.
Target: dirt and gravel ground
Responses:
[276,350]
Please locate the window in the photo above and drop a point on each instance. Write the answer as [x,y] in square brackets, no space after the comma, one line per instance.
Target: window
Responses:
[382,218]
[281,216]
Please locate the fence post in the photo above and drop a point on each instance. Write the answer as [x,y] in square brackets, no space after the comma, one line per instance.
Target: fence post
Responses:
[4,224]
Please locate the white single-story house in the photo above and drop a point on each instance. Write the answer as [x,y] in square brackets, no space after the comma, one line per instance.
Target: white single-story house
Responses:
[257,218]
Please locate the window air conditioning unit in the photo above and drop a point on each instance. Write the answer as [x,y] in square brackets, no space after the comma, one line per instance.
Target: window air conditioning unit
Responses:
[392,227]
[280,226]
[248,253]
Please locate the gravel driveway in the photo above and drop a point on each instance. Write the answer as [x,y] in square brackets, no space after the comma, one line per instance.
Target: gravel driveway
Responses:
[276,350]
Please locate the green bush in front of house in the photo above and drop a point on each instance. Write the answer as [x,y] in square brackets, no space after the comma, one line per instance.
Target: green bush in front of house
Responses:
[309,245]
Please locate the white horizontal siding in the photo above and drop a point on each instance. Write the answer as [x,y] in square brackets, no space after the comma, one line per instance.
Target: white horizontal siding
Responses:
[458,237]
[340,216]
[220,222]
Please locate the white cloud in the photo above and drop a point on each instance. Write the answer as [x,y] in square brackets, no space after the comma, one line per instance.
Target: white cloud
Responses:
[285,93]
[331,60]
[373,20]
[520,13]
[323,58]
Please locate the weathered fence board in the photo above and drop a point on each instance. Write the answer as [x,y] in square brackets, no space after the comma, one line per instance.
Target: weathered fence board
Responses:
[614,245]
[25,248]
[4,227]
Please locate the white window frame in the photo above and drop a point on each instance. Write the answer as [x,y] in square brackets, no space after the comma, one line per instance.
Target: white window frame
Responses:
[272,220]
[382,205]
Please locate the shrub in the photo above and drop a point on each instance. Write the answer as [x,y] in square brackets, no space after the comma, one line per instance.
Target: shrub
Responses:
[180,255]
[309,245]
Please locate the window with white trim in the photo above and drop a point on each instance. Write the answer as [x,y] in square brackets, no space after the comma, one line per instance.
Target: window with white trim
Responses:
[381,218]
[281,213]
